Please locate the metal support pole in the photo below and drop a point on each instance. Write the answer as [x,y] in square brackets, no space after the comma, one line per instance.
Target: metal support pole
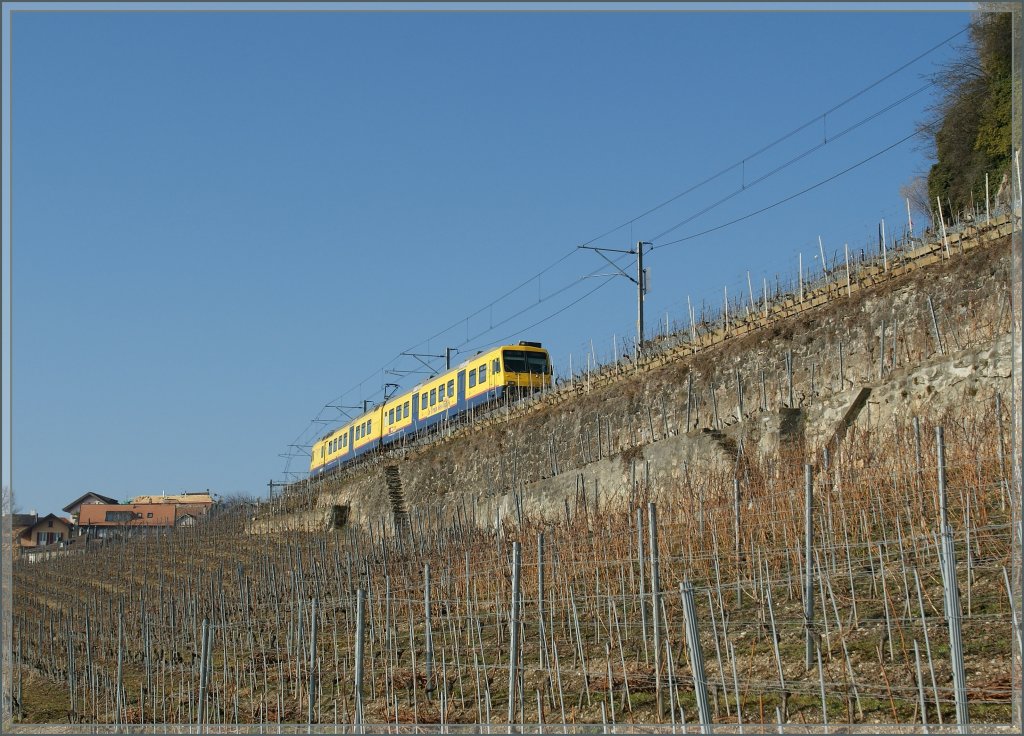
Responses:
[513,660]
[739,394]
[736,535]
[641,289]
[202,673]
[951,593]
[696,656]
[429,657]
[360,646]
[808,566]
[942,222]
[652,523]
[789,374]
[885,249]
[312,662]
[988,214]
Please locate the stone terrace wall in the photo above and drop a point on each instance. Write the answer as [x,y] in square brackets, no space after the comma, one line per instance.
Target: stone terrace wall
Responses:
[863,352]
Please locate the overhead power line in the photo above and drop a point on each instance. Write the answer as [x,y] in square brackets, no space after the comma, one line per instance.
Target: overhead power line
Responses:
[741,162]
[797,158]
[792,196]
[783,138]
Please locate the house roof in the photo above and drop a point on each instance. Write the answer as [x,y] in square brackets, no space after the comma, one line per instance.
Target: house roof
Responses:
[19,521]
[200,497]
[49,517]
[100,498]
[142,514]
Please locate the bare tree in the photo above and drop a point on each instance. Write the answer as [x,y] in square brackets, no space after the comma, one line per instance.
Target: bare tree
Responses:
[915,191]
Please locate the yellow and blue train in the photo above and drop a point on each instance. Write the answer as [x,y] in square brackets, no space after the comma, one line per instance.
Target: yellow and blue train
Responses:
[484,378]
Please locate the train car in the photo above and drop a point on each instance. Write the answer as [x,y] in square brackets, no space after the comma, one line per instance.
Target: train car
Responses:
[487,377]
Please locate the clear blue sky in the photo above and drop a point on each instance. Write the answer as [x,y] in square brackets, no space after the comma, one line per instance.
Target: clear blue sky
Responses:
[224,220]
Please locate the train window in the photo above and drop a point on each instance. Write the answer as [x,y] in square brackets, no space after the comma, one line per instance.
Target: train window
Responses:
[423,402]
[451,389]
[537,362]
[359,431]
[369,426]
[344,440]
[321,452]
[433,396]
[522,361]
[515,361]
[406,410]
[391,416]
[440,392]
[483,373]
[472,379]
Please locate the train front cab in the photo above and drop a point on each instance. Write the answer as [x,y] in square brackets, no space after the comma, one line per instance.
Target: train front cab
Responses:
[525,368]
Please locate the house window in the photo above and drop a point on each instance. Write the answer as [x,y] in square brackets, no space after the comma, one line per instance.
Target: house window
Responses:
[118,516]
[472,379]
[433,396]
[50,524]
[149,514]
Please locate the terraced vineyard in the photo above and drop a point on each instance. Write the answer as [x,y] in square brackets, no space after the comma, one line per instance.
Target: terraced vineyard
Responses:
[214,626]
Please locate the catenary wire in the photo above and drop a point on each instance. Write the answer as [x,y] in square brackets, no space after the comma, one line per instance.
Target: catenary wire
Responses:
[565,256]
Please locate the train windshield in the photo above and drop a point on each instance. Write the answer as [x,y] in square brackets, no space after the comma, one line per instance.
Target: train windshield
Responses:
[524,361]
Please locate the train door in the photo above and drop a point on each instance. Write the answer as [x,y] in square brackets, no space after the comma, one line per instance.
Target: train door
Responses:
[461,387]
